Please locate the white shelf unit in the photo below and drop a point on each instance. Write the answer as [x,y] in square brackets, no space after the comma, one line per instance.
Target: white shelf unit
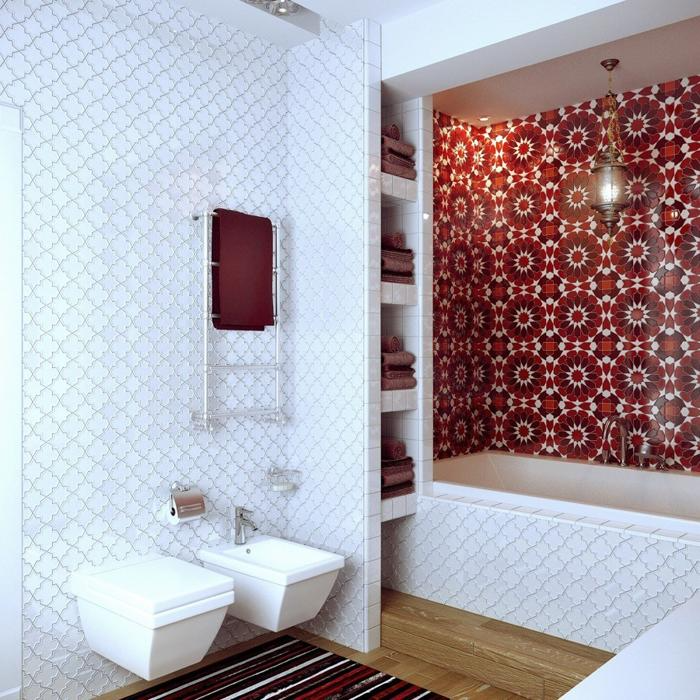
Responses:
[396,293]
[407,310]
[397,190]
[399,506]
[399,400]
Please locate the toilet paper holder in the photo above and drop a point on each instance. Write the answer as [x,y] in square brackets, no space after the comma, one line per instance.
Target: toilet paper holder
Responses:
[186,502]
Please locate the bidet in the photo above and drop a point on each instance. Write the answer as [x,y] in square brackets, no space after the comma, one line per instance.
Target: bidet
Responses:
[278,583]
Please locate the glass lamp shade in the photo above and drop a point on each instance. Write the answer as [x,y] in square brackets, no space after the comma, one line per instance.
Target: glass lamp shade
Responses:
[609,185]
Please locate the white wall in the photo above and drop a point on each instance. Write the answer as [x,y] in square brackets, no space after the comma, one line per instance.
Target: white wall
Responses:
[11,400]
[137,114]
[323,337]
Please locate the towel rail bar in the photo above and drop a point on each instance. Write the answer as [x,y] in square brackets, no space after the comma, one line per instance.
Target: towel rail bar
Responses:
[207,419]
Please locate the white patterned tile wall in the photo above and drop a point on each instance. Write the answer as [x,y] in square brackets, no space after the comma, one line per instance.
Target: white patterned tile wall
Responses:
[324,338]
[372,301]
[138,113]
[586,584]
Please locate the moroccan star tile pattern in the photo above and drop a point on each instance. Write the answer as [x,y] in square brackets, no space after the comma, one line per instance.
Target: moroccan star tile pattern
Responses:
[543,326]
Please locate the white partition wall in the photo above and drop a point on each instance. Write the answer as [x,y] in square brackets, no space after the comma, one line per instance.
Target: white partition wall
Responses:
[10,400]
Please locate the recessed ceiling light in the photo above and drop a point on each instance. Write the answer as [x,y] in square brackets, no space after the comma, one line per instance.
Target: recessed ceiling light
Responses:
[276,7]
[484,118]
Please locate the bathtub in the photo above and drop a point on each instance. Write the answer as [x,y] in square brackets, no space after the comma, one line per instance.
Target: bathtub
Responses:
[595,554]
[626,496]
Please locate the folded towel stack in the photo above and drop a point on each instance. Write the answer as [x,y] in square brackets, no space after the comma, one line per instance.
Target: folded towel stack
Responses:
[397,156]
[391,343]
[397,260]
[397,369]
[397,469]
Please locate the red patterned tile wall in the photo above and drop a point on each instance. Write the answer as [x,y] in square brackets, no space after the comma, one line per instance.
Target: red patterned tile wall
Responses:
[542,327]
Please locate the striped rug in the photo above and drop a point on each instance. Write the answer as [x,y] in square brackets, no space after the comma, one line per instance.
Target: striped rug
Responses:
[281,669]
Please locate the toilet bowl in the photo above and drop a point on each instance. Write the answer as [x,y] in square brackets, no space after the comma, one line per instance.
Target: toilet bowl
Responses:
[152,615]
[279,583]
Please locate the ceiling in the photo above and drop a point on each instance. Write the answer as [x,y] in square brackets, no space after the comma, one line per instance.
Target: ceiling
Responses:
[303,26]
[346,11]
[286,33]
[666,53]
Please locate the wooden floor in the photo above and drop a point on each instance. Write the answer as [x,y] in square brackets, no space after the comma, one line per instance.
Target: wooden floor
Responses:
[454,653]
[409,668]
[533,665]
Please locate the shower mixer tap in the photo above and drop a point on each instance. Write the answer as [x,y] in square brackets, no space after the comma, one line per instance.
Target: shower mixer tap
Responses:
[623,432]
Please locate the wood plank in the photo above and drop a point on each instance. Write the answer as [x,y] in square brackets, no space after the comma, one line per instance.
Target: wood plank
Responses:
[533,652]
[580,650]
[455,684]
[550,663]
[553,690]
[514,680]
[489,693]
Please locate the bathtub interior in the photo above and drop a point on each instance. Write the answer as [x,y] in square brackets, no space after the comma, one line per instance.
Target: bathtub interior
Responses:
[657,500]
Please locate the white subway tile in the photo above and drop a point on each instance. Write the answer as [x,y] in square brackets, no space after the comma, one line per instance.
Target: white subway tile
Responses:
[373,638]
[387,509]
[399,506]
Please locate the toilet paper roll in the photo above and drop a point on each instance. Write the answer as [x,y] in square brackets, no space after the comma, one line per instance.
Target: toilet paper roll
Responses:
[165,516]
[185,503]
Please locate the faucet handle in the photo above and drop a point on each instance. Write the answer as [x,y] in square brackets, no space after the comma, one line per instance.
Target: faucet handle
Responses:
[650,455]
[644,455]
[244,515]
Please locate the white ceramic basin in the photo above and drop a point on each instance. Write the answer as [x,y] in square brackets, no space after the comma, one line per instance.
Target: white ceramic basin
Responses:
[277,583]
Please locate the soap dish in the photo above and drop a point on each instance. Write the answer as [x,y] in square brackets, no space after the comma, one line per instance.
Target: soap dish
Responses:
[283,479]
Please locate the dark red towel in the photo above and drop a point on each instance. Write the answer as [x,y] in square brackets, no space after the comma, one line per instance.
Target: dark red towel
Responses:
[390,264]
[399,170]
[394,464]
[397,146]
[401,475]
[398,490]
[404,254]
[397,372]
[391,343]
[398,278]
[392,448]
[392,131]
[398,359]
[400,384]
[242,284]
[396,159]
[393,241]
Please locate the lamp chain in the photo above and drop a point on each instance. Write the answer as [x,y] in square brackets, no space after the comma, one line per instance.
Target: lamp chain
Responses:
[612,130]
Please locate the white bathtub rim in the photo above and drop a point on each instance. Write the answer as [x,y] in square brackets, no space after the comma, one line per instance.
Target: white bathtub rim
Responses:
[631,522]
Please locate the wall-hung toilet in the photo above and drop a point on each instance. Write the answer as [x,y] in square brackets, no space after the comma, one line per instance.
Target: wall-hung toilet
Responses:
[152,615]
[279,583]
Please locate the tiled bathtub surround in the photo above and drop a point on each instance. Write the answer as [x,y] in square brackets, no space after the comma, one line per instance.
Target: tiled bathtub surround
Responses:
[586,582]
[541,328]
[136,114]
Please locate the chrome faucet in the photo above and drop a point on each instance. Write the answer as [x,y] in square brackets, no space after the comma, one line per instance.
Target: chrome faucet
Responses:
[621,423]
[648,459]
[240,521]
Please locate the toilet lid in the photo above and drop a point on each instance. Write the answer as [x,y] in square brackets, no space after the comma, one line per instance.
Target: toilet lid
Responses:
[152,584]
